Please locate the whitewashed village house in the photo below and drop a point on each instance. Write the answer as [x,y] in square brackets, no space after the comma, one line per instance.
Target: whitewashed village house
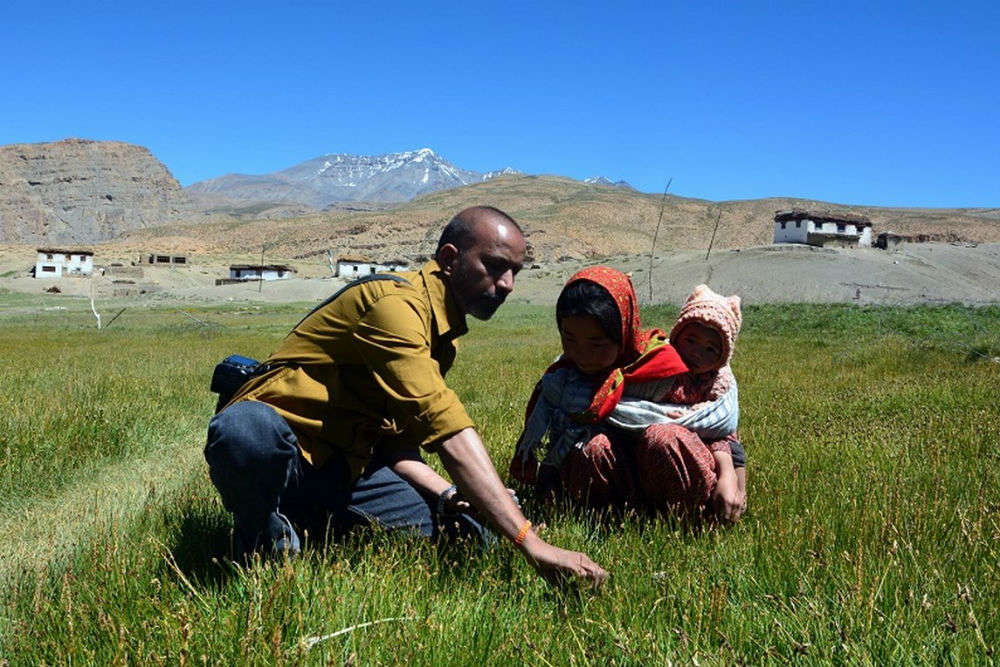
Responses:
[822,229]
[56,263]
[260,272]
[353,266]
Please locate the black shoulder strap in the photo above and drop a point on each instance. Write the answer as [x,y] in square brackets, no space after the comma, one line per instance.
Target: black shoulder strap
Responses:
[355,283]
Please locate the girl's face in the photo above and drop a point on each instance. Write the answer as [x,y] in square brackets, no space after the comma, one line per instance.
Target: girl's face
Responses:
[700,347]
[586,345]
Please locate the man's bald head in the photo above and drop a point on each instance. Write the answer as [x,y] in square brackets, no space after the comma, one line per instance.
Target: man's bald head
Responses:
[480,252]
[461,231]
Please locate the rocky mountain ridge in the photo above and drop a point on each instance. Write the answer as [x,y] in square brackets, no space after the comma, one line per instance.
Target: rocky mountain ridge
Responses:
[81,191]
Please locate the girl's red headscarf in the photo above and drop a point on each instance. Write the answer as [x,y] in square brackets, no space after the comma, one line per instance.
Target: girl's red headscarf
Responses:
[642,356]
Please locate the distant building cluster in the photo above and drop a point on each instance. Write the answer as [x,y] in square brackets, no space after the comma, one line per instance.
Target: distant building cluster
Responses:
[63,262]
[822,229]
[59,262]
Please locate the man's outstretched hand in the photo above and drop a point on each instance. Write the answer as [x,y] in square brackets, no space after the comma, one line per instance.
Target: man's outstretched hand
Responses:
[560,566]
[466,460]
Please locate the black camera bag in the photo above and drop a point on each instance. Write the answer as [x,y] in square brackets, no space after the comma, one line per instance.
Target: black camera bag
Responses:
[230,374]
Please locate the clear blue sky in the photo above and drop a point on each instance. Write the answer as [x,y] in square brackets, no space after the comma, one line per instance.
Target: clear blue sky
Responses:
[868,103]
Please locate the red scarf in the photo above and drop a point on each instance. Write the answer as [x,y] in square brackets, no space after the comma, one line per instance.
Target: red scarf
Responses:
[642,357]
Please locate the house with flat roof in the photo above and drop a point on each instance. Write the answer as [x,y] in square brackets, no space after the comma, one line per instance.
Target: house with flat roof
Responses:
[59,262]
[356,266]
[260,272]
[819,228]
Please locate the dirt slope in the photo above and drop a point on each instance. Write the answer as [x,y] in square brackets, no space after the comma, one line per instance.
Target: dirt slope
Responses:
[564,219]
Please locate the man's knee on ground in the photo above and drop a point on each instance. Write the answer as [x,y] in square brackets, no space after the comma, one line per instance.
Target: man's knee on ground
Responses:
[248,434]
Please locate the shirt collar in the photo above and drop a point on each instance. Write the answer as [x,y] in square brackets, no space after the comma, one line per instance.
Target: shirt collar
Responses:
[449,321]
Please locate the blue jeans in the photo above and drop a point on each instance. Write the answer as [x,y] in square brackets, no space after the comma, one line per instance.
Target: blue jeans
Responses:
[255,463]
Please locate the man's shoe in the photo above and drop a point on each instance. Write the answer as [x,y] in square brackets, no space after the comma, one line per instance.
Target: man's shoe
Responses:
[272,536]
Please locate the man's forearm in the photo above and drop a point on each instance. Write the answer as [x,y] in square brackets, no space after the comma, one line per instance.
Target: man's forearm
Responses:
[465,458]
[419,475]
[470,466]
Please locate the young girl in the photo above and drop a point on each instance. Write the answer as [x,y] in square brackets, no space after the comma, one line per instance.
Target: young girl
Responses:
[608,362]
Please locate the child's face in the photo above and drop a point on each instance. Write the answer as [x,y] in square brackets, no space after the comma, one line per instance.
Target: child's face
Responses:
[586,345]
[700,347]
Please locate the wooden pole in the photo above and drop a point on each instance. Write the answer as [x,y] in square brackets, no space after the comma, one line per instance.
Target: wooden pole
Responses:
[712,242]
[652,248]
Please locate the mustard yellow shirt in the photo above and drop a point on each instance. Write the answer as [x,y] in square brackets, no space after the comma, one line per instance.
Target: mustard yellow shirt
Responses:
[366,370]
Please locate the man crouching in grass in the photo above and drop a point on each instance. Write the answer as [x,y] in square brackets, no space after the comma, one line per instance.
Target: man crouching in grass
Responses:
[330,432]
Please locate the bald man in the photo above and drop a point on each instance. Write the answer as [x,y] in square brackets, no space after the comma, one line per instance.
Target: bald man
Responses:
[330,431]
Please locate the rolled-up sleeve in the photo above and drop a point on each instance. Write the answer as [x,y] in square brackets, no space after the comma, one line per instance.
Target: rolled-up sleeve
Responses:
[393,339]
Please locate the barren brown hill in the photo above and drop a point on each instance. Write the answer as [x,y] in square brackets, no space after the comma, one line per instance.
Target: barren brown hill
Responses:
[81,191]
[563,218]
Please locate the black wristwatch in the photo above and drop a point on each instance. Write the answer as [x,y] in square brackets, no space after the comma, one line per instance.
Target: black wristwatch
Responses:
[444,498]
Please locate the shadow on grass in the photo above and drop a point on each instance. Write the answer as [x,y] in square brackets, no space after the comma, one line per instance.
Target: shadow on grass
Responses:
[202,549]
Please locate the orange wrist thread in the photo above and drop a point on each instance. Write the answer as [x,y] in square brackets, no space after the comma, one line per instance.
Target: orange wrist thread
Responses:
[523,533]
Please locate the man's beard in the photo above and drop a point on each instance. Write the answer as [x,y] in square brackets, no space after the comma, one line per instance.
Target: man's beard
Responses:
[485,305]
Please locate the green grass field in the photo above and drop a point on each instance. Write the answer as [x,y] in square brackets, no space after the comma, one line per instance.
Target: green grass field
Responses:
[873,534]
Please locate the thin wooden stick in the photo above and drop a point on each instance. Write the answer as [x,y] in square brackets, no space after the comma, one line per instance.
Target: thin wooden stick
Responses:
[201,322]
[115,317]
[712,242]
[652,248]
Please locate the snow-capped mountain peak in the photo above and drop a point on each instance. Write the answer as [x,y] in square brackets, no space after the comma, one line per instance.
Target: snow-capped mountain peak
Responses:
[602,180]
[337,177]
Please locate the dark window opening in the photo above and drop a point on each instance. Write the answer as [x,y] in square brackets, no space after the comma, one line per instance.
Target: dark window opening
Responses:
[180,260]
[48,269]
